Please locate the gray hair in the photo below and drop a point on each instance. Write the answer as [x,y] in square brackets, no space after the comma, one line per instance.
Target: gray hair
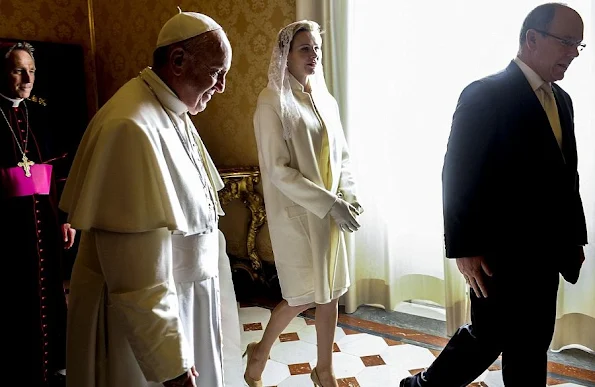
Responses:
[5,52]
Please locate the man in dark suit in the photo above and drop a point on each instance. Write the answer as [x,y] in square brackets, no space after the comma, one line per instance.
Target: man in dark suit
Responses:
[512,210]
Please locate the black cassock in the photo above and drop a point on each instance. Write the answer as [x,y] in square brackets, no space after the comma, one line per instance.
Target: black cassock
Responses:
[32,248]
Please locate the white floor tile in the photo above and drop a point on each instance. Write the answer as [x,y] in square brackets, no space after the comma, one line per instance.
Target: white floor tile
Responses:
[346,365]
[494,379]
[339,334]
[381,376]
[407,356]
[569,385]
[274,373]
[254,314]
[248,337]
[482,377]
[293,352]
[308,334]
[362,344]
[295,325]
[297,381]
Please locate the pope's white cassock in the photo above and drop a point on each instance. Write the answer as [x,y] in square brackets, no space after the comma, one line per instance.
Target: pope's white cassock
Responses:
[146,288]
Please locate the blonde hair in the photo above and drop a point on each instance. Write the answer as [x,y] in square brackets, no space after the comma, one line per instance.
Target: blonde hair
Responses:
[293,29]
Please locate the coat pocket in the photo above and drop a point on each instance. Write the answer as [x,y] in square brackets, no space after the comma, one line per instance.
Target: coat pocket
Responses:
[295,211]
[297,215]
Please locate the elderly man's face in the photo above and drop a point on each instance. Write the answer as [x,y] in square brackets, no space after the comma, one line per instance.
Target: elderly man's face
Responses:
[552,54]
[206,75]
[19,75]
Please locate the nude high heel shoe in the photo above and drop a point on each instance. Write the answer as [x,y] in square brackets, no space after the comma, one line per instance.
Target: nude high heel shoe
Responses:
[315,379]
[248,353]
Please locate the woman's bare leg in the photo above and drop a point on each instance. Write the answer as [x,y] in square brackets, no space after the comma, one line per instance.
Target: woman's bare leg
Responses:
[326,322]
[280,319]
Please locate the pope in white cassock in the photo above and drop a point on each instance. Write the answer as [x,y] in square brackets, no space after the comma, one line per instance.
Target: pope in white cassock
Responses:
[151,271]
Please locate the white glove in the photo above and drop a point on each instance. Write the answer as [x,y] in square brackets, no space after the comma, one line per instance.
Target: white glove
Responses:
[344,215]
[358,208]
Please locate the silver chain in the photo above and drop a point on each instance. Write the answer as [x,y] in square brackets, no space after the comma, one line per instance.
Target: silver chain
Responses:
[187,147]
[16,139]
[185,143]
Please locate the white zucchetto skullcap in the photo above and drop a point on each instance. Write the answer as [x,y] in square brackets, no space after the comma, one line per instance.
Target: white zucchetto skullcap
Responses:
[185,25]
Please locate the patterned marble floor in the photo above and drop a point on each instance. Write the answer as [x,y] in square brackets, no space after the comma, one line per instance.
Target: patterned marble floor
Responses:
[366,354]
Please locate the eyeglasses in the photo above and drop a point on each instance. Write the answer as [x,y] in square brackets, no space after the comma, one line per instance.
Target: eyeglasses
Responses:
[578,45]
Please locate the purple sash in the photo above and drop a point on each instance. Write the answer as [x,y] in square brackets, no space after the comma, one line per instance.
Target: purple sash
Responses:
[14,182]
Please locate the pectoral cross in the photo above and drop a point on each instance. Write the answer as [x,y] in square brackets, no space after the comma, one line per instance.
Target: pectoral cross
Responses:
[26,165]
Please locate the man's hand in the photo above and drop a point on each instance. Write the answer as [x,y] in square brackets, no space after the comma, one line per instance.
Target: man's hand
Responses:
[474,269]
[68,234]
[581,254]
[187,379]
[344,215]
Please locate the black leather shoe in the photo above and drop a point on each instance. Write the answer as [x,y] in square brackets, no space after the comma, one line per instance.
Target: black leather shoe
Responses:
[410,381]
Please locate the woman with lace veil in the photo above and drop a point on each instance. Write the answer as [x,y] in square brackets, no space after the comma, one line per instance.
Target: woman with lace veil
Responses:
[309,194]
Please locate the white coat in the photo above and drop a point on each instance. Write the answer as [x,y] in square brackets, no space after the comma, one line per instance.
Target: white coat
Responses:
[296,200]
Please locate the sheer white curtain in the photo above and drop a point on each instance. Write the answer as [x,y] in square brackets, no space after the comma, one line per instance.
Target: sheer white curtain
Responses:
[408,63]
[404,65]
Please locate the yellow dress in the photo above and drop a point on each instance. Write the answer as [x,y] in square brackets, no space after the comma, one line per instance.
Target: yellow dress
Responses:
[324,165]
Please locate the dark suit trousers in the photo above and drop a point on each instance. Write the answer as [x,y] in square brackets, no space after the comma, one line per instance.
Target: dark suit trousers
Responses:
[515,320]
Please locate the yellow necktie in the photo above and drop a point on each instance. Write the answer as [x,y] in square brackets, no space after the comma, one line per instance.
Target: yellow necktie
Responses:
[549,105]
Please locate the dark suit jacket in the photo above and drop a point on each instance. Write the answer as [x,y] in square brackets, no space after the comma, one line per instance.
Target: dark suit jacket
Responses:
[506,184]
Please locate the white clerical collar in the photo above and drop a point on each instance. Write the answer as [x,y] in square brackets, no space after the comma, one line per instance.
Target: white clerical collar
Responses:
[15,101]
[167,97]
